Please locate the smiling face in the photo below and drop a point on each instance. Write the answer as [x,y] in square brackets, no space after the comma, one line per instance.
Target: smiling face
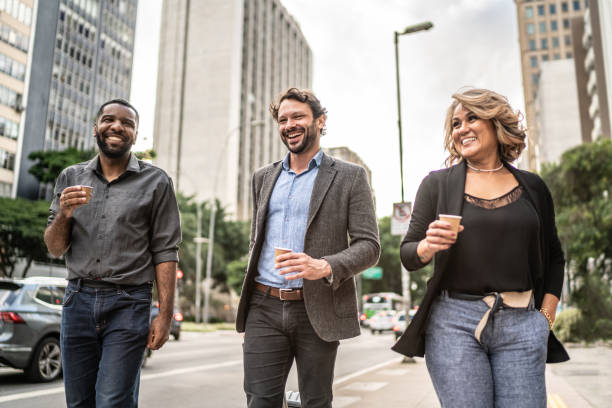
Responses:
[473,138]
[299,131]
[116,130]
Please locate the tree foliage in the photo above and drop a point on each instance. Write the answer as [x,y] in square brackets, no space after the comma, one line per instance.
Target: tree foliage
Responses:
[580,185]
[231,245]
[49,164]
[22,225]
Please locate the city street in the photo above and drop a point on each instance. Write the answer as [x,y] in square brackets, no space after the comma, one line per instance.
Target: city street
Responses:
[205,370]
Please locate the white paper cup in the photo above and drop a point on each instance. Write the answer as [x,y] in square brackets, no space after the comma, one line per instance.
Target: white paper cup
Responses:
[453,220]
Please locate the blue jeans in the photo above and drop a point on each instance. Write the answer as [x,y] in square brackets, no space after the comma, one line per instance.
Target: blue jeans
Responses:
[276,333]
[506,370]
[103,338]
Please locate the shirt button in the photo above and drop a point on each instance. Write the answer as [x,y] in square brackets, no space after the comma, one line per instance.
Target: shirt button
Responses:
[103,216]
[97,260]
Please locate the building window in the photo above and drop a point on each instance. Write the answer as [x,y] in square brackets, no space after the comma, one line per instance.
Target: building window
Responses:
[557,56]
[566,23]
[545,57]
[541,10]
[543,27]
[555,42]
[576,5]
[544,44]
[553,25]
[7,160]
[586,3]
[568,40]
[534,62]
[532,45]
[529,12]
[568,55]
[530,29]
[564,7]
[552,9]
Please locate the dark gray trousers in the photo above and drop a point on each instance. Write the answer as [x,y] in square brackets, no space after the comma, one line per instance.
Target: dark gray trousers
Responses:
[277,332]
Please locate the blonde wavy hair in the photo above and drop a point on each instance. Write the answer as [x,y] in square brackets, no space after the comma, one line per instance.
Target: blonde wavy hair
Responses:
[486,104]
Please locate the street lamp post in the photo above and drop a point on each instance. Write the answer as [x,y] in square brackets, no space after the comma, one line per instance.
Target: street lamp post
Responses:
[211,228]
[405,275]
[408,30]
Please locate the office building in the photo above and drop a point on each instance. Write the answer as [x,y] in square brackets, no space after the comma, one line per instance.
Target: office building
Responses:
[81,56]
[556,104]
[544,28]
[221,63]
[15,31]
[593,63]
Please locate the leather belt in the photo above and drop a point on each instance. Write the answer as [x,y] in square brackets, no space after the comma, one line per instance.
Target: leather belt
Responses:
[495,301]
[101,284]
[282,294]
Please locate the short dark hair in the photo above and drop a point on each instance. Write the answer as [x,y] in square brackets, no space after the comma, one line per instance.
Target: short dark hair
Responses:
[118,101]
[300,95]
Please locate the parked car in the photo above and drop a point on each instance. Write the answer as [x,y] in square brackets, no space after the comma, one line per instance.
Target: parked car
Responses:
[30,317]
[381,321]
[399,322]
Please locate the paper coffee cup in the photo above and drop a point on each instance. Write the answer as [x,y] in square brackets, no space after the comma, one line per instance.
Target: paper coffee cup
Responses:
[453,220]
[280,251]
[88,192]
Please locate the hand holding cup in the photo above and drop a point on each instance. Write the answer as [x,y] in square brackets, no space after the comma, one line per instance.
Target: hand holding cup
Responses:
[73,197]
[440,235]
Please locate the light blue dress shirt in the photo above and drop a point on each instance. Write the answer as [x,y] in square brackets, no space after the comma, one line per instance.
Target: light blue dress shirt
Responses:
[286,220]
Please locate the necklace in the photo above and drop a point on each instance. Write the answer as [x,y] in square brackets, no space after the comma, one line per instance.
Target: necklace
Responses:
[501,166]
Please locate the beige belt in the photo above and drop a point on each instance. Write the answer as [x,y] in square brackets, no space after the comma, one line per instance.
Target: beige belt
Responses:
[496,300]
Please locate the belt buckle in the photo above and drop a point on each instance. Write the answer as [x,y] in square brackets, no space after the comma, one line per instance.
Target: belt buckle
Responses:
[281,291]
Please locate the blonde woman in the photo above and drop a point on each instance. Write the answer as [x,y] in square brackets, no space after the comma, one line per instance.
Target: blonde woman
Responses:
[484,322]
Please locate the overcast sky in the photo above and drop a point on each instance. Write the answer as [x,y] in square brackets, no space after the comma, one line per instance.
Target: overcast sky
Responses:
[473,43]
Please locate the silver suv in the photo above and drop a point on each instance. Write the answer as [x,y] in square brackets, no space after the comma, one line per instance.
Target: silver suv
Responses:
[30,317]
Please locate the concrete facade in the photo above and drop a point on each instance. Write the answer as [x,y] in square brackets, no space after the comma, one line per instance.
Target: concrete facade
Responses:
[557,110]
[16,20]
[221,63]
[544,28]
[82,56]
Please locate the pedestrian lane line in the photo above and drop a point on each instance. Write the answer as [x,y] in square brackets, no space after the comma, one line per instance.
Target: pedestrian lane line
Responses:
[366,370]
[60,390]
[555,401]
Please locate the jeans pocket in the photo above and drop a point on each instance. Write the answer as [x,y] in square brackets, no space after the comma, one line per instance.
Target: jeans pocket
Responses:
[68,296]
[140,295]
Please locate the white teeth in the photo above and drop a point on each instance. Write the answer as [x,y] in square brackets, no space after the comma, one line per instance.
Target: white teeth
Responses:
[467,140]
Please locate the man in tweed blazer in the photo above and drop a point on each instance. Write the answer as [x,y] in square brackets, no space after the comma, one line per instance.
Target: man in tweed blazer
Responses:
[298,305]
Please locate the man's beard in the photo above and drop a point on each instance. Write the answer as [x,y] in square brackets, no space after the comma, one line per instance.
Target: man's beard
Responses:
[108,151]
[310,135]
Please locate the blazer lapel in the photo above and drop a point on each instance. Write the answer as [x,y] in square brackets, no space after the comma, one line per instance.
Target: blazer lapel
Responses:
[455,186]
[267,186]
[322,182]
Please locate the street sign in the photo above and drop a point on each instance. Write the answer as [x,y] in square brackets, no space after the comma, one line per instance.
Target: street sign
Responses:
[400,220]
[373,273]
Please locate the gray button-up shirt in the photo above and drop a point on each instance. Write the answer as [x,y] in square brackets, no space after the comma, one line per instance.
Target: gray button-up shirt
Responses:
[130,225]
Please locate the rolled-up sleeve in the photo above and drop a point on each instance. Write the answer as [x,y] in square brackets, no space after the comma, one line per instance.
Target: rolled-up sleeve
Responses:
[165,225]
[60,185]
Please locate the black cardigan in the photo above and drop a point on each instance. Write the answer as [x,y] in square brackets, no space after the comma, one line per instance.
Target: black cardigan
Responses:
[442,192]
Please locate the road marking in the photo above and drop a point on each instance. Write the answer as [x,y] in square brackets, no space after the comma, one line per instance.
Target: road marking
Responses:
[366,370]
[190,369]
[365,386]
[555,401]
[59,390]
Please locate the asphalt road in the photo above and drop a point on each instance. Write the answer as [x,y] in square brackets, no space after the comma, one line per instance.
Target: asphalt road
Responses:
[200,370]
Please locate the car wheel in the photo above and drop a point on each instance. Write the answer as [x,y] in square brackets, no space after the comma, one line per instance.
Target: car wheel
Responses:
[46,362]
[177,334]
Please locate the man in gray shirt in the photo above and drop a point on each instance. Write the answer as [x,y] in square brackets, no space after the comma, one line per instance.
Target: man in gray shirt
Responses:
[116,242]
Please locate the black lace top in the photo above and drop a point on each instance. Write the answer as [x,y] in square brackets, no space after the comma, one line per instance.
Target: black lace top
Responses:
[493,251]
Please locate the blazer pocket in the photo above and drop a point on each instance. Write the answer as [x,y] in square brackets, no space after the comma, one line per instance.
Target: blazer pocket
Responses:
[345,302]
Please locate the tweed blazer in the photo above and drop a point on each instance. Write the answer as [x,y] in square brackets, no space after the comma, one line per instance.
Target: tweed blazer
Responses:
[442,192]
[341,229]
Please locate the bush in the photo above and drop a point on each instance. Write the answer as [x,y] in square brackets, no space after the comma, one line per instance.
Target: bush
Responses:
[569,325]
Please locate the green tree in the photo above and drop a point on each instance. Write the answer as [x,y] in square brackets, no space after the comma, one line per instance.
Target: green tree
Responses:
[49,164]
[580,186]
[231,245]
[22,225]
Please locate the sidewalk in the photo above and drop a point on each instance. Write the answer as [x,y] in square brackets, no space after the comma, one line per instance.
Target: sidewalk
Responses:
[396,384]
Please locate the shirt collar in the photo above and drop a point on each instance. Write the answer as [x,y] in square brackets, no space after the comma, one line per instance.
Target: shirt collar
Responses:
[94,164]
[314,162]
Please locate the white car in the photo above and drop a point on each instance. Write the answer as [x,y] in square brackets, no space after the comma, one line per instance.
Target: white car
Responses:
[382,321]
